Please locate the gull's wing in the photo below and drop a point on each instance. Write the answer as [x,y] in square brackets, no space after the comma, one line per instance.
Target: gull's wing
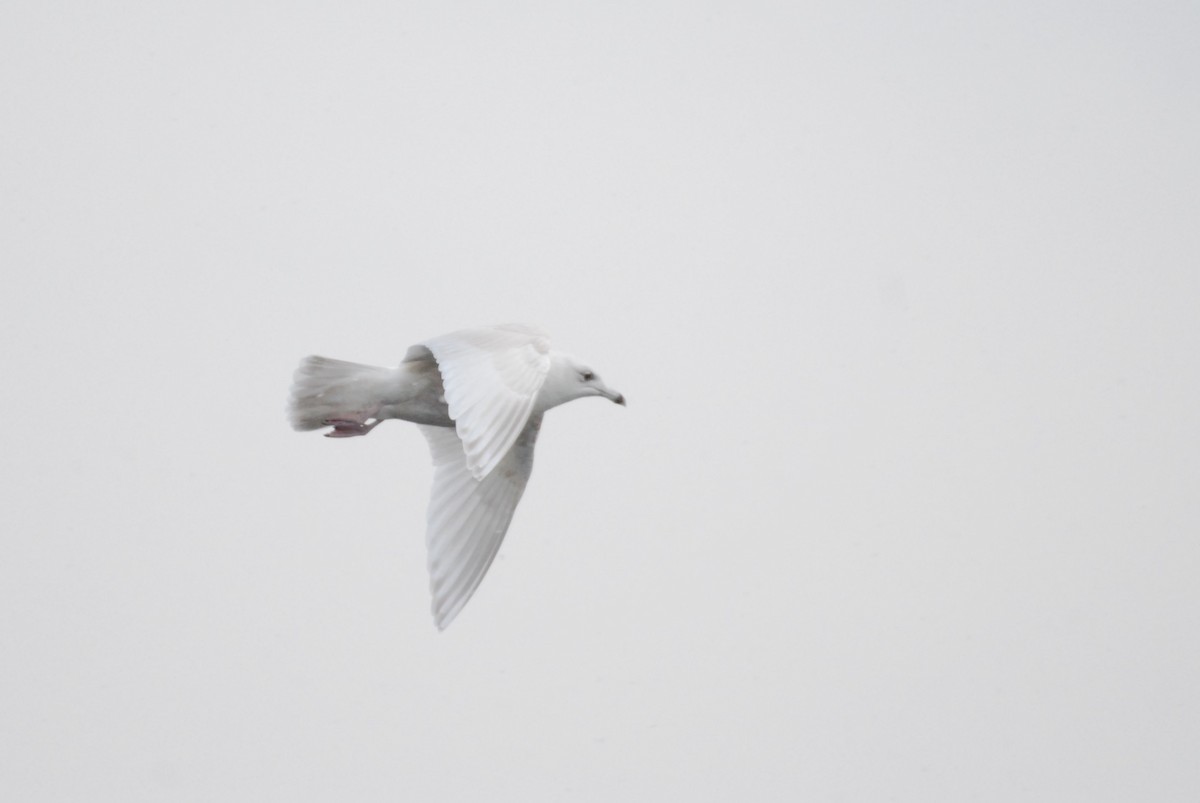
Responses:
[491,377]
[467,517]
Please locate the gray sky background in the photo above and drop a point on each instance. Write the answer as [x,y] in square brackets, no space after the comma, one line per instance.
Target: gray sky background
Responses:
[904,299]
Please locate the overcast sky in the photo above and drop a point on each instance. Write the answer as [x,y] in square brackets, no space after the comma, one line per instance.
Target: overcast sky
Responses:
[904,298]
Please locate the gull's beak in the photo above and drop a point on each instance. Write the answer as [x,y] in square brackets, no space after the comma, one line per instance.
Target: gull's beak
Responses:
[613,396]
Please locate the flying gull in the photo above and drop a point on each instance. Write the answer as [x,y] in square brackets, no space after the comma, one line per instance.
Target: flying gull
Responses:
[478,396]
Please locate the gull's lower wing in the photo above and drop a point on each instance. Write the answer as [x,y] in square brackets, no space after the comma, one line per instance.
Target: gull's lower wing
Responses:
[468,517]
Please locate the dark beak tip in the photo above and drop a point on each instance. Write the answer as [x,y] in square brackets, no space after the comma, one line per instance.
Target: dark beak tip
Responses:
[620,399]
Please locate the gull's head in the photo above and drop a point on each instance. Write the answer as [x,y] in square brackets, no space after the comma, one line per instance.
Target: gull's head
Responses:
[569,379]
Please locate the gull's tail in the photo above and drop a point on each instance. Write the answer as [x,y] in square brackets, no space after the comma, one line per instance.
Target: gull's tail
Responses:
[325,390]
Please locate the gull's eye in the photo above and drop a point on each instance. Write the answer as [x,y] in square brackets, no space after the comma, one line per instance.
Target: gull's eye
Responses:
[587,376]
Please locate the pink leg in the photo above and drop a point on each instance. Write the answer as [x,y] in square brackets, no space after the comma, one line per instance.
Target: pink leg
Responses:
[345,428]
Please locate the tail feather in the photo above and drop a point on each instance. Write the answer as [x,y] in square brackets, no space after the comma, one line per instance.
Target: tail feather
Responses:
[324,389]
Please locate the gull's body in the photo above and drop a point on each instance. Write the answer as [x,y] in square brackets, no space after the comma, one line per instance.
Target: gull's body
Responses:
[479,396]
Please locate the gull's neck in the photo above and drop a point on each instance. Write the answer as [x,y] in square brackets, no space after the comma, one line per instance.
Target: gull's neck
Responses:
[561,385]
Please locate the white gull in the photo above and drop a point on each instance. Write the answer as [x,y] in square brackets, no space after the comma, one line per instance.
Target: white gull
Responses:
[478,396]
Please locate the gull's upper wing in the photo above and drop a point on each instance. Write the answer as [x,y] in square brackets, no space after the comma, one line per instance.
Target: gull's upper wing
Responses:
[468,517]
[491,377]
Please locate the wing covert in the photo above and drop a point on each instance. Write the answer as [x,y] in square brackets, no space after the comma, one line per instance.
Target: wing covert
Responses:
[491,377]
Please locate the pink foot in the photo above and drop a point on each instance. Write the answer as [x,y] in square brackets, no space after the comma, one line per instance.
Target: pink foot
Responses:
[344,428]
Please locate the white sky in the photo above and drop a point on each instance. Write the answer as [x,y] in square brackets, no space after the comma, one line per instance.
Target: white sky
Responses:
[903,297]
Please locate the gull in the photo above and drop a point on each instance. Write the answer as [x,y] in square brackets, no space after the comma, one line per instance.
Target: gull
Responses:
[478,396]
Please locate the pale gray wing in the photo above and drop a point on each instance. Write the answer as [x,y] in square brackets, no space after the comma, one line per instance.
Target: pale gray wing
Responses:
[468,517]
[491,377]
